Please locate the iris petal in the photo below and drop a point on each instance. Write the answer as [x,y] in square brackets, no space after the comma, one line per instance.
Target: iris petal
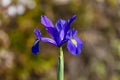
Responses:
[75,47]
[67,26]
[54,33]
[38,34]
[48,40]
[71,47]
[35,47]
[71,33]
[60,24]
[62,35]
[50,31]
[46,22]
[74,32]
[71,19]
[79,44]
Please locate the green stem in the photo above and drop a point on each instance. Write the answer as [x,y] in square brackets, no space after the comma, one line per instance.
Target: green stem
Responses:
[60,69]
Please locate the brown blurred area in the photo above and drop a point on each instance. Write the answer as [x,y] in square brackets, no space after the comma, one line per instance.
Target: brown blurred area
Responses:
[98,25]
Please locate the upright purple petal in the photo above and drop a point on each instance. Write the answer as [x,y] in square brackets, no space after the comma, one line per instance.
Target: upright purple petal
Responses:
[50,31]
[57,37]
[54,33]
[38,34]
[60,24]
[67,26]
[71,33]
[62,35]
[35,47]
[71,19]
[46,22]
[74,33]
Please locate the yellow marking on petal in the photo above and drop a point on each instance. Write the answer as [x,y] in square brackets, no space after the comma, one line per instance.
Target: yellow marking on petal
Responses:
[74,42]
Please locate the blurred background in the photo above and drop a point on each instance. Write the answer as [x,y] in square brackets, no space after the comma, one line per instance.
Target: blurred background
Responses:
[98,25]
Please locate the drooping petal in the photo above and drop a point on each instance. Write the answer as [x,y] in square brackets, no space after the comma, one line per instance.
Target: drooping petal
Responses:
[38,34]
[71,47]
[48,40]
[74,46]
[79,44]
[35,47]
[46,22]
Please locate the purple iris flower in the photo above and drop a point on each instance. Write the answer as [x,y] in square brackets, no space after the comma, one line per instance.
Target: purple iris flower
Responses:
[60,34]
